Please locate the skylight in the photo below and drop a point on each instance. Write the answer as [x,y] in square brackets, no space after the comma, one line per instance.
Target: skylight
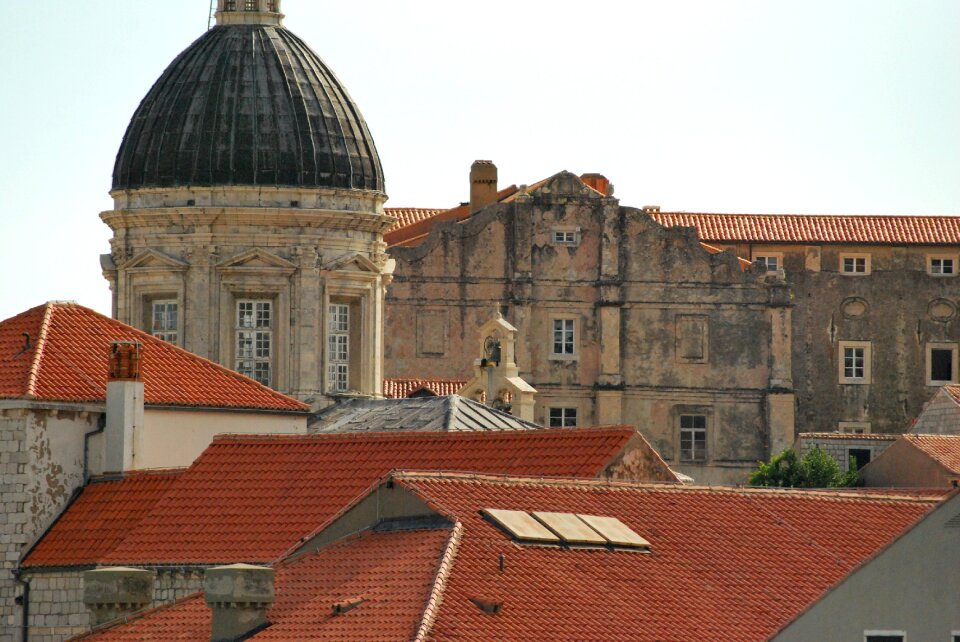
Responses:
[566,528]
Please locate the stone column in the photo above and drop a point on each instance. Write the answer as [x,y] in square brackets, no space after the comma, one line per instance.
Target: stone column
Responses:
[781,400]
[240,597]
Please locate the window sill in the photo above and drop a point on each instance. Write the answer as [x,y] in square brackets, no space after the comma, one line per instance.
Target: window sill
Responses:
[854,382]
[563,357]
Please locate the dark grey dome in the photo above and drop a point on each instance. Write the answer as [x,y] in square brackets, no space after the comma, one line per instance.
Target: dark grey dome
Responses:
[248,105]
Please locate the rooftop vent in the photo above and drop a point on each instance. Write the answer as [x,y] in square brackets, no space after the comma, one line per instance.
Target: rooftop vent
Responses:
[566,528]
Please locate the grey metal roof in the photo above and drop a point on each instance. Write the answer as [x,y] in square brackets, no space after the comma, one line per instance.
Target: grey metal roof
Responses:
[422,414]
[248,105]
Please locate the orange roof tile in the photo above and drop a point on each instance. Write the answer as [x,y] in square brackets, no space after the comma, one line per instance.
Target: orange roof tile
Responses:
[850,436]
[953,392]
[798,228]
[104,513]
[250,498]
[407,216]
[945,449]
[391,572]
[417,230]
[726,564]
[68,357]
[399,388]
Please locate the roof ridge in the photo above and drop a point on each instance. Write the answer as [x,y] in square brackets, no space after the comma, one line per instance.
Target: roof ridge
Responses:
[415,435]
[38,353]
[435,599]
[561,482]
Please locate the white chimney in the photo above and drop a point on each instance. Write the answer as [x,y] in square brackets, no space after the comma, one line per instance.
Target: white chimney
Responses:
[124,406]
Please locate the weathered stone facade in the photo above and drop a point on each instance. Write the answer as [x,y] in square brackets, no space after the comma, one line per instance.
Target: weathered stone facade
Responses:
[844,446]
[941,415]
[895,307]
[620,320]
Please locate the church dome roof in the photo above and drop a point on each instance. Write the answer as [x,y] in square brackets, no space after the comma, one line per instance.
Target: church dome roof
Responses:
[249,105]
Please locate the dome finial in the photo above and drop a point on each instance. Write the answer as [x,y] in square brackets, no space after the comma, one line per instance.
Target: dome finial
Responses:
[249,12]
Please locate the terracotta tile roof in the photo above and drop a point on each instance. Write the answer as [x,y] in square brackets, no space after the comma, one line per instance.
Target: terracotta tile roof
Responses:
[68,356]
[415,232]
[104,513]
[391,572]
[186,620]
[849,436]
[398,388]
[797,228]
[407,216]
[945,449]
[953,392]
[726,564]
[250,498]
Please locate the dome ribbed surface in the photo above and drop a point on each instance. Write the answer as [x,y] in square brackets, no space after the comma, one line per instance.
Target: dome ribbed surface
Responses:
[248,105]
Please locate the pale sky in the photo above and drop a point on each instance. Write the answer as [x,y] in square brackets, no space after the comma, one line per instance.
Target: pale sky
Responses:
[763,106]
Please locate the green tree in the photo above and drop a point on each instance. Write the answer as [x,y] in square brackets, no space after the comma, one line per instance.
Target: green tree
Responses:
[816,469]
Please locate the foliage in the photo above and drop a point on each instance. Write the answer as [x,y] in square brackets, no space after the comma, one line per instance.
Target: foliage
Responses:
[816,469]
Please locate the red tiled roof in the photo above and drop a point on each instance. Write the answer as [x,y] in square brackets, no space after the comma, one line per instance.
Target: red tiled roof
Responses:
[250,498]
[407,216]
[953,392]
[726,564]
[391,572]
[68,361]
[100,518]
[415,231]
[850,436]
[399,388]
[945,449]
[797,228]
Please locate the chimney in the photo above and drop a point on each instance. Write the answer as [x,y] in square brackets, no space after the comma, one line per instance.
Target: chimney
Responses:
[124,406]
[599,182]
[113,593]
[483,185]
[239,596]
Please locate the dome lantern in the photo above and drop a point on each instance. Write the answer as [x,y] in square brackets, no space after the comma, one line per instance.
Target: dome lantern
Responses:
[249,12]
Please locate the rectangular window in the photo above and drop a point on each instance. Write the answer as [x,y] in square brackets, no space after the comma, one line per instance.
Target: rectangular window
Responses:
[230,5]
[854,427]
[885,636]
[254,355]
[772,262]
[691,340]
[250,5]
[563,417]
[693,437]
[563,337]
[941,265]
[855,362]
[164,320]
[338,347]
[565,237]
[941,363]
[858,264]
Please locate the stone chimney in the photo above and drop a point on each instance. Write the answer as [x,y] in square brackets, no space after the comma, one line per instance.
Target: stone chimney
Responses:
[599,182]
[113,593]
[124,406]
[483,185]
[239,596]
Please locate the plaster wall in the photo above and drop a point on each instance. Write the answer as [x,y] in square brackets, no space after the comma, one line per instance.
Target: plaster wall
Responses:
[911,587]
[903,465]
[175,438]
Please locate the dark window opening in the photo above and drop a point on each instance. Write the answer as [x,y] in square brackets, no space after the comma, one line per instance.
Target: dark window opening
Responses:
[860,457]
[884,638]
[941,365]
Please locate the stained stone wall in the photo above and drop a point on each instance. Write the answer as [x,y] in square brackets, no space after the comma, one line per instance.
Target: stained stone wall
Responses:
[41,466]
[941,416]
[839,446]
[662,327]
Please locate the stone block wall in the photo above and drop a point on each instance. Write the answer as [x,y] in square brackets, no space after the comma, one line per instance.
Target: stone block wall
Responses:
[57,611]
[941,416]
[13,516]
[839,447]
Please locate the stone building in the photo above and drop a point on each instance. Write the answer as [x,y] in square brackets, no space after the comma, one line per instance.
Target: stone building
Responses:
[248,213]
[870,301]
[619,319]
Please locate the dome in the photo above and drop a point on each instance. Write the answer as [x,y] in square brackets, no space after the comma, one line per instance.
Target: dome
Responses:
[248,105]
